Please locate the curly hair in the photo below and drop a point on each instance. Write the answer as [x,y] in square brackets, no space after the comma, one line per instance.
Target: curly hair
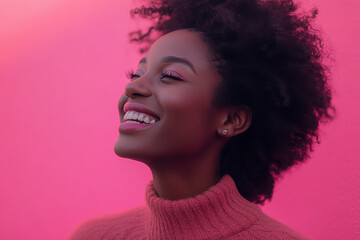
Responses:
[271,60]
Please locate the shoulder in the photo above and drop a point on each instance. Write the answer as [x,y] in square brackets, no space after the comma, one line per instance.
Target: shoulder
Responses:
[120,225]
[267,227]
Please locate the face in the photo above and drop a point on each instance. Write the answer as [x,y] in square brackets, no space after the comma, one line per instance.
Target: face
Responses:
[176,82]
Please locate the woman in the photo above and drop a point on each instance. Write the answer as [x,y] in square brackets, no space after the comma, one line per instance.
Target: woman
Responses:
[228,98]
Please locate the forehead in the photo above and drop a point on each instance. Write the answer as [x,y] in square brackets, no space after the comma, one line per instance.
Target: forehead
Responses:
[181,43]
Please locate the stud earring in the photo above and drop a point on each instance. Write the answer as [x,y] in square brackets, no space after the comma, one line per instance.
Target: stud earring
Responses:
[224,132]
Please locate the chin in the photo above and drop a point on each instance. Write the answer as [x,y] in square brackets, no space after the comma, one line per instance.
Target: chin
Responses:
[127,152]
[121,150]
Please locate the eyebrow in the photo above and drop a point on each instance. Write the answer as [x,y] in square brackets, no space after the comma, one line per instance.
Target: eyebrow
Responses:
[173,59]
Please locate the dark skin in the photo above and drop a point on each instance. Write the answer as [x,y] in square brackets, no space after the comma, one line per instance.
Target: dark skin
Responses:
[183,148]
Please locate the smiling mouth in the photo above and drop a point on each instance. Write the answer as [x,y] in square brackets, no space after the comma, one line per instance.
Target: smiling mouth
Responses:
[136,121]
[132,116]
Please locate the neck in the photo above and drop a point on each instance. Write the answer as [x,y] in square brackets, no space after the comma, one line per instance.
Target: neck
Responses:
[175,186]
[188,178]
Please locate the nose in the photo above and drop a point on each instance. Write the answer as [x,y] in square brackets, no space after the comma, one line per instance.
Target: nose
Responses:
[138,87]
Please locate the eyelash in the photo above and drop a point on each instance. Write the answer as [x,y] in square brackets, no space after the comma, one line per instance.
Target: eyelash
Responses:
[131,75]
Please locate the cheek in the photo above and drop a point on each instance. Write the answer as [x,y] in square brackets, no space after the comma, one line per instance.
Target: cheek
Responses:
[186,114]
[184,104]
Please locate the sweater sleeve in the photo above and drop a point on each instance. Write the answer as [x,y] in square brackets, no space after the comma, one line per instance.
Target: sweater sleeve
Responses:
[268,228]
[126,225]
[89,230]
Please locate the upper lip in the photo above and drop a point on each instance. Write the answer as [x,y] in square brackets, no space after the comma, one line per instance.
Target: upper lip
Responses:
[139,108]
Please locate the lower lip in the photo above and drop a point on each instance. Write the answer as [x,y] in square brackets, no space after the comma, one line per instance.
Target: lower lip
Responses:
[128,127]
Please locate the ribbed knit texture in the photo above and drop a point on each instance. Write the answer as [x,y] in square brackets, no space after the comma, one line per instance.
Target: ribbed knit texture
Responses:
[218,213]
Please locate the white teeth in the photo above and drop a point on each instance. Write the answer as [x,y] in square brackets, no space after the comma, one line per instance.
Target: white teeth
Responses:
[131,114]
[141,117]
[135,116]
[146,119]
[129,121]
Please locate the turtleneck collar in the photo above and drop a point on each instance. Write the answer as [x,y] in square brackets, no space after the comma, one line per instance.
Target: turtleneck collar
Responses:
[216,213]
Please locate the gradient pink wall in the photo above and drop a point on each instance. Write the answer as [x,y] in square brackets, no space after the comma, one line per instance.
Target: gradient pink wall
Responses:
[62,70]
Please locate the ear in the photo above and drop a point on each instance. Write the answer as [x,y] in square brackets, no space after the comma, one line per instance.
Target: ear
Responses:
[235,120]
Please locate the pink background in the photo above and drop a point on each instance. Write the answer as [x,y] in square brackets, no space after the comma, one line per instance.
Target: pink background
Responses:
[62,70]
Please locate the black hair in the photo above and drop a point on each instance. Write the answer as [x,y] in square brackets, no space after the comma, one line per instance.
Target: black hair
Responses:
[271,60]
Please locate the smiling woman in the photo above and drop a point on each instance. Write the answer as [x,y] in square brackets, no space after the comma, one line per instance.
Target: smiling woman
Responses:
[230,96]
[184,135]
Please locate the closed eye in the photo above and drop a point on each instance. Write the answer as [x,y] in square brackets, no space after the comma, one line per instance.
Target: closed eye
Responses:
[131,75]
[167,74]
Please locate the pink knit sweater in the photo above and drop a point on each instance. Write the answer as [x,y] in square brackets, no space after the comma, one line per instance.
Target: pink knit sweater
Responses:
[218,213]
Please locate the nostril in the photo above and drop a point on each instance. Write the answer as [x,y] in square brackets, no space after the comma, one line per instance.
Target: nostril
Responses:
[136,90]
[135,95]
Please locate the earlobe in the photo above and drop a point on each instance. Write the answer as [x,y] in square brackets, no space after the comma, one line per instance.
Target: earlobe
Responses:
[223,132]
